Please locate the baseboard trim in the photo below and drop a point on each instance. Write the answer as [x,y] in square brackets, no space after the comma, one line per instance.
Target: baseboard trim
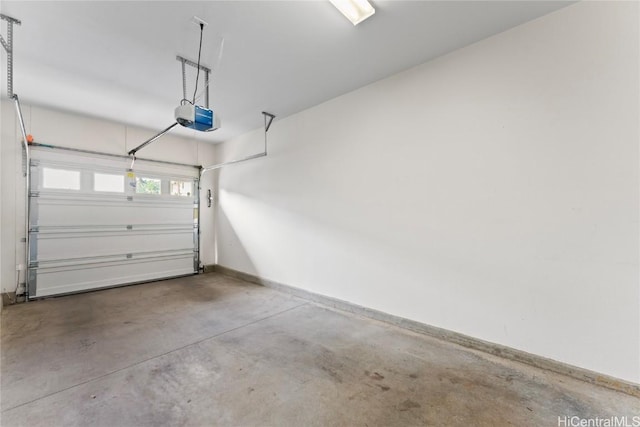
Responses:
[209,268]
[445,335]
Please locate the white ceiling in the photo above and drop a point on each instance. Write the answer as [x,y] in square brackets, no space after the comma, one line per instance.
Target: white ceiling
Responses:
[116,60]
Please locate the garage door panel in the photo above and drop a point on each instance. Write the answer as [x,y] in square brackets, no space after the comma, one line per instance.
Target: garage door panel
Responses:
[61,280]
[68,213]
[76,245]
[83,239]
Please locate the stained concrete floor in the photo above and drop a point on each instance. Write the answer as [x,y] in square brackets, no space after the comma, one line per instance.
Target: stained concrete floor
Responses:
[213,350]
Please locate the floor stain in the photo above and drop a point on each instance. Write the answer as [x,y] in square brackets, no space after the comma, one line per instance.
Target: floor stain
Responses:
[332,373]
[407,405]
[85,343]
[374,376]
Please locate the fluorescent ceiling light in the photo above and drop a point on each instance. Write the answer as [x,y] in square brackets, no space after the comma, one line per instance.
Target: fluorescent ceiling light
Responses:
[356,11]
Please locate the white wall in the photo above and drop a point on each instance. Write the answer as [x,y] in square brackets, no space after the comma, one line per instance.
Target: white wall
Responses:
[493,192]
[74,131]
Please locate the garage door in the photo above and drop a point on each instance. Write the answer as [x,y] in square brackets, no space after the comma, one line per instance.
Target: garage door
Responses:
[95,224]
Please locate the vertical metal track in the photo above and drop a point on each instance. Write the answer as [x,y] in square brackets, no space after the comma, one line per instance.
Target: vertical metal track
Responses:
[198,187]
[8,47]
[27,203]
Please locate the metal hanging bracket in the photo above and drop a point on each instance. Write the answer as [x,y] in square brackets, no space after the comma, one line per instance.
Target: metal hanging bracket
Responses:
[195,65]
[268,119]
[8,47]
[267,125]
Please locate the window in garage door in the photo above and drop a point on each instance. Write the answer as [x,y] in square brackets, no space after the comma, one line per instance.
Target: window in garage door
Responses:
[180,188]
[146,185]
[107,182]
[61,179]
[90,229]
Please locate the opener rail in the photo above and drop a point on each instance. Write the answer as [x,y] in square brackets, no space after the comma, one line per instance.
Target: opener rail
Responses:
[150,140]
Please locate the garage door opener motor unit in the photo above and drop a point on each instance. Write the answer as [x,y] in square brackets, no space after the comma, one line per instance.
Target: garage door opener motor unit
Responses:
[188,113]
[197,117]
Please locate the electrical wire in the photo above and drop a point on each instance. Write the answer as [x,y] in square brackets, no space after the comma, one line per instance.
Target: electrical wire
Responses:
[15,291]
[213,70]
[198,72]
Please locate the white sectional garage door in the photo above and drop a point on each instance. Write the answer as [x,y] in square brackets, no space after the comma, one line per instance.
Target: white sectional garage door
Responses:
[95,224]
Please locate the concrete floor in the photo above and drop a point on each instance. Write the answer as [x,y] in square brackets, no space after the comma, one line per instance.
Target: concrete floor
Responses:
[212,350]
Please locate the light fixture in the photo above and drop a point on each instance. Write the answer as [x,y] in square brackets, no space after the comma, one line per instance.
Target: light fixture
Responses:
[356,11]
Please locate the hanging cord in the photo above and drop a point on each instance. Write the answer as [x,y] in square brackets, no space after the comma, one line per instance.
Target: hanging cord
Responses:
[198,72]
[213,70]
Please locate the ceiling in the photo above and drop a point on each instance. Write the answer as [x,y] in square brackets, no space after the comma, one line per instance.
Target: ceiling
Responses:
[116,60]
